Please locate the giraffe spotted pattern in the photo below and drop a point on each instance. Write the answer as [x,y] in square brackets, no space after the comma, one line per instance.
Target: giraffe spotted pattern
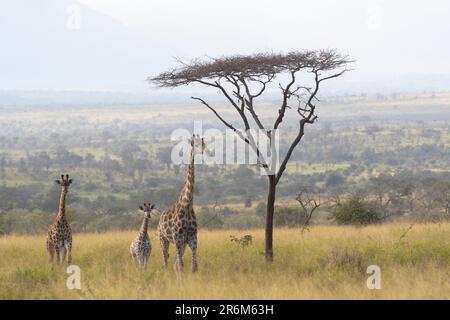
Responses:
[141,246]
[178,224]
[59,235]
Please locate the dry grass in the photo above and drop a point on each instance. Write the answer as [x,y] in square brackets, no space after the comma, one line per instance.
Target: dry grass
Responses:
[326,262]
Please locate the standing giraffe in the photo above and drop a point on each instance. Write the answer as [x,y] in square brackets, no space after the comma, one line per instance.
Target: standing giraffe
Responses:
[178,224]
[59,235]
[141,247]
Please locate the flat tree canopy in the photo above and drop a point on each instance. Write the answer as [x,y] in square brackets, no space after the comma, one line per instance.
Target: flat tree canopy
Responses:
[251,66]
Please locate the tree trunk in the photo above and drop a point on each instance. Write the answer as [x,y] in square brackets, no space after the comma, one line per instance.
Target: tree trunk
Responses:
[269,218]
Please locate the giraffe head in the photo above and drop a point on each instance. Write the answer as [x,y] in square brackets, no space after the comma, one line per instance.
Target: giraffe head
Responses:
[64,182]
[199,145]
[147,208]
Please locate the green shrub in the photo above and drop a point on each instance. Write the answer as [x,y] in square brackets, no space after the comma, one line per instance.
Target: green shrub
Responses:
[243,221]
[261,209]
[356,211]
[288,217]
[209,219]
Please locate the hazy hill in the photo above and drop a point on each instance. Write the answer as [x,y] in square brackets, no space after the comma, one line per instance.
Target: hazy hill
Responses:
[40,51]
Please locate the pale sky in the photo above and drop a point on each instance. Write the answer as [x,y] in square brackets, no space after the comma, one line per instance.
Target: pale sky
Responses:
[121,42]
[385,36]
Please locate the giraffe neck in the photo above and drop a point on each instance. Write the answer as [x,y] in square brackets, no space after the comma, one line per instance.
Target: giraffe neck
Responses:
[61,216]
[144,226]
[186,196]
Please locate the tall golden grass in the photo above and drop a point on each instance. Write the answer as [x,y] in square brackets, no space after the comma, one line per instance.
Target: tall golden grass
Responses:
[326,262]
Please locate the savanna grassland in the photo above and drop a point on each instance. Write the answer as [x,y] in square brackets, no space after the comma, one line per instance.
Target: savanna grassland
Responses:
[391,151]
[327,262]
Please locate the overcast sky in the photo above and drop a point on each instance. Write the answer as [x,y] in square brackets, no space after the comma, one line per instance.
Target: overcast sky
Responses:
[397,36]
[118,43]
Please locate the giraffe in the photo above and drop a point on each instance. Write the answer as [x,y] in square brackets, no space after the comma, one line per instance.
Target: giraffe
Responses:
[59,235]
[178,224]
[141,246]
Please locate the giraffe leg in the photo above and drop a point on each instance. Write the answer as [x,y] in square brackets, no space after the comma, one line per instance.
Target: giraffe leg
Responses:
[134,258]
[133,253]
[57,254]
[165,250]
[179,260]
[144,262]
[137,257]
[63,254]
[69,252]
[146,257]
[193,246]
[51,251]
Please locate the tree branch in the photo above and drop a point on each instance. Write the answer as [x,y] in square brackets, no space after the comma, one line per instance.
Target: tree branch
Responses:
[241,113]
[308,204]
[227,124]
[249,102]
[310,118]
[286,95]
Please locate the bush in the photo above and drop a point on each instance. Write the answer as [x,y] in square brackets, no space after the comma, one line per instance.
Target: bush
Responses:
[243,221]
[209,219]
[288,217]
[334,180]
[261,209]
[355,211]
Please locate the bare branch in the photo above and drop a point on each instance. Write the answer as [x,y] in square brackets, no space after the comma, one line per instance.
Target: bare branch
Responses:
[227,124]
[240,112]
[309,204]
[334,75]
[286,95]
[249,100]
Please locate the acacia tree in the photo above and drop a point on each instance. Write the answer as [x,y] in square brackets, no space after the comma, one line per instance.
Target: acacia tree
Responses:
[309,203]
[242,79]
